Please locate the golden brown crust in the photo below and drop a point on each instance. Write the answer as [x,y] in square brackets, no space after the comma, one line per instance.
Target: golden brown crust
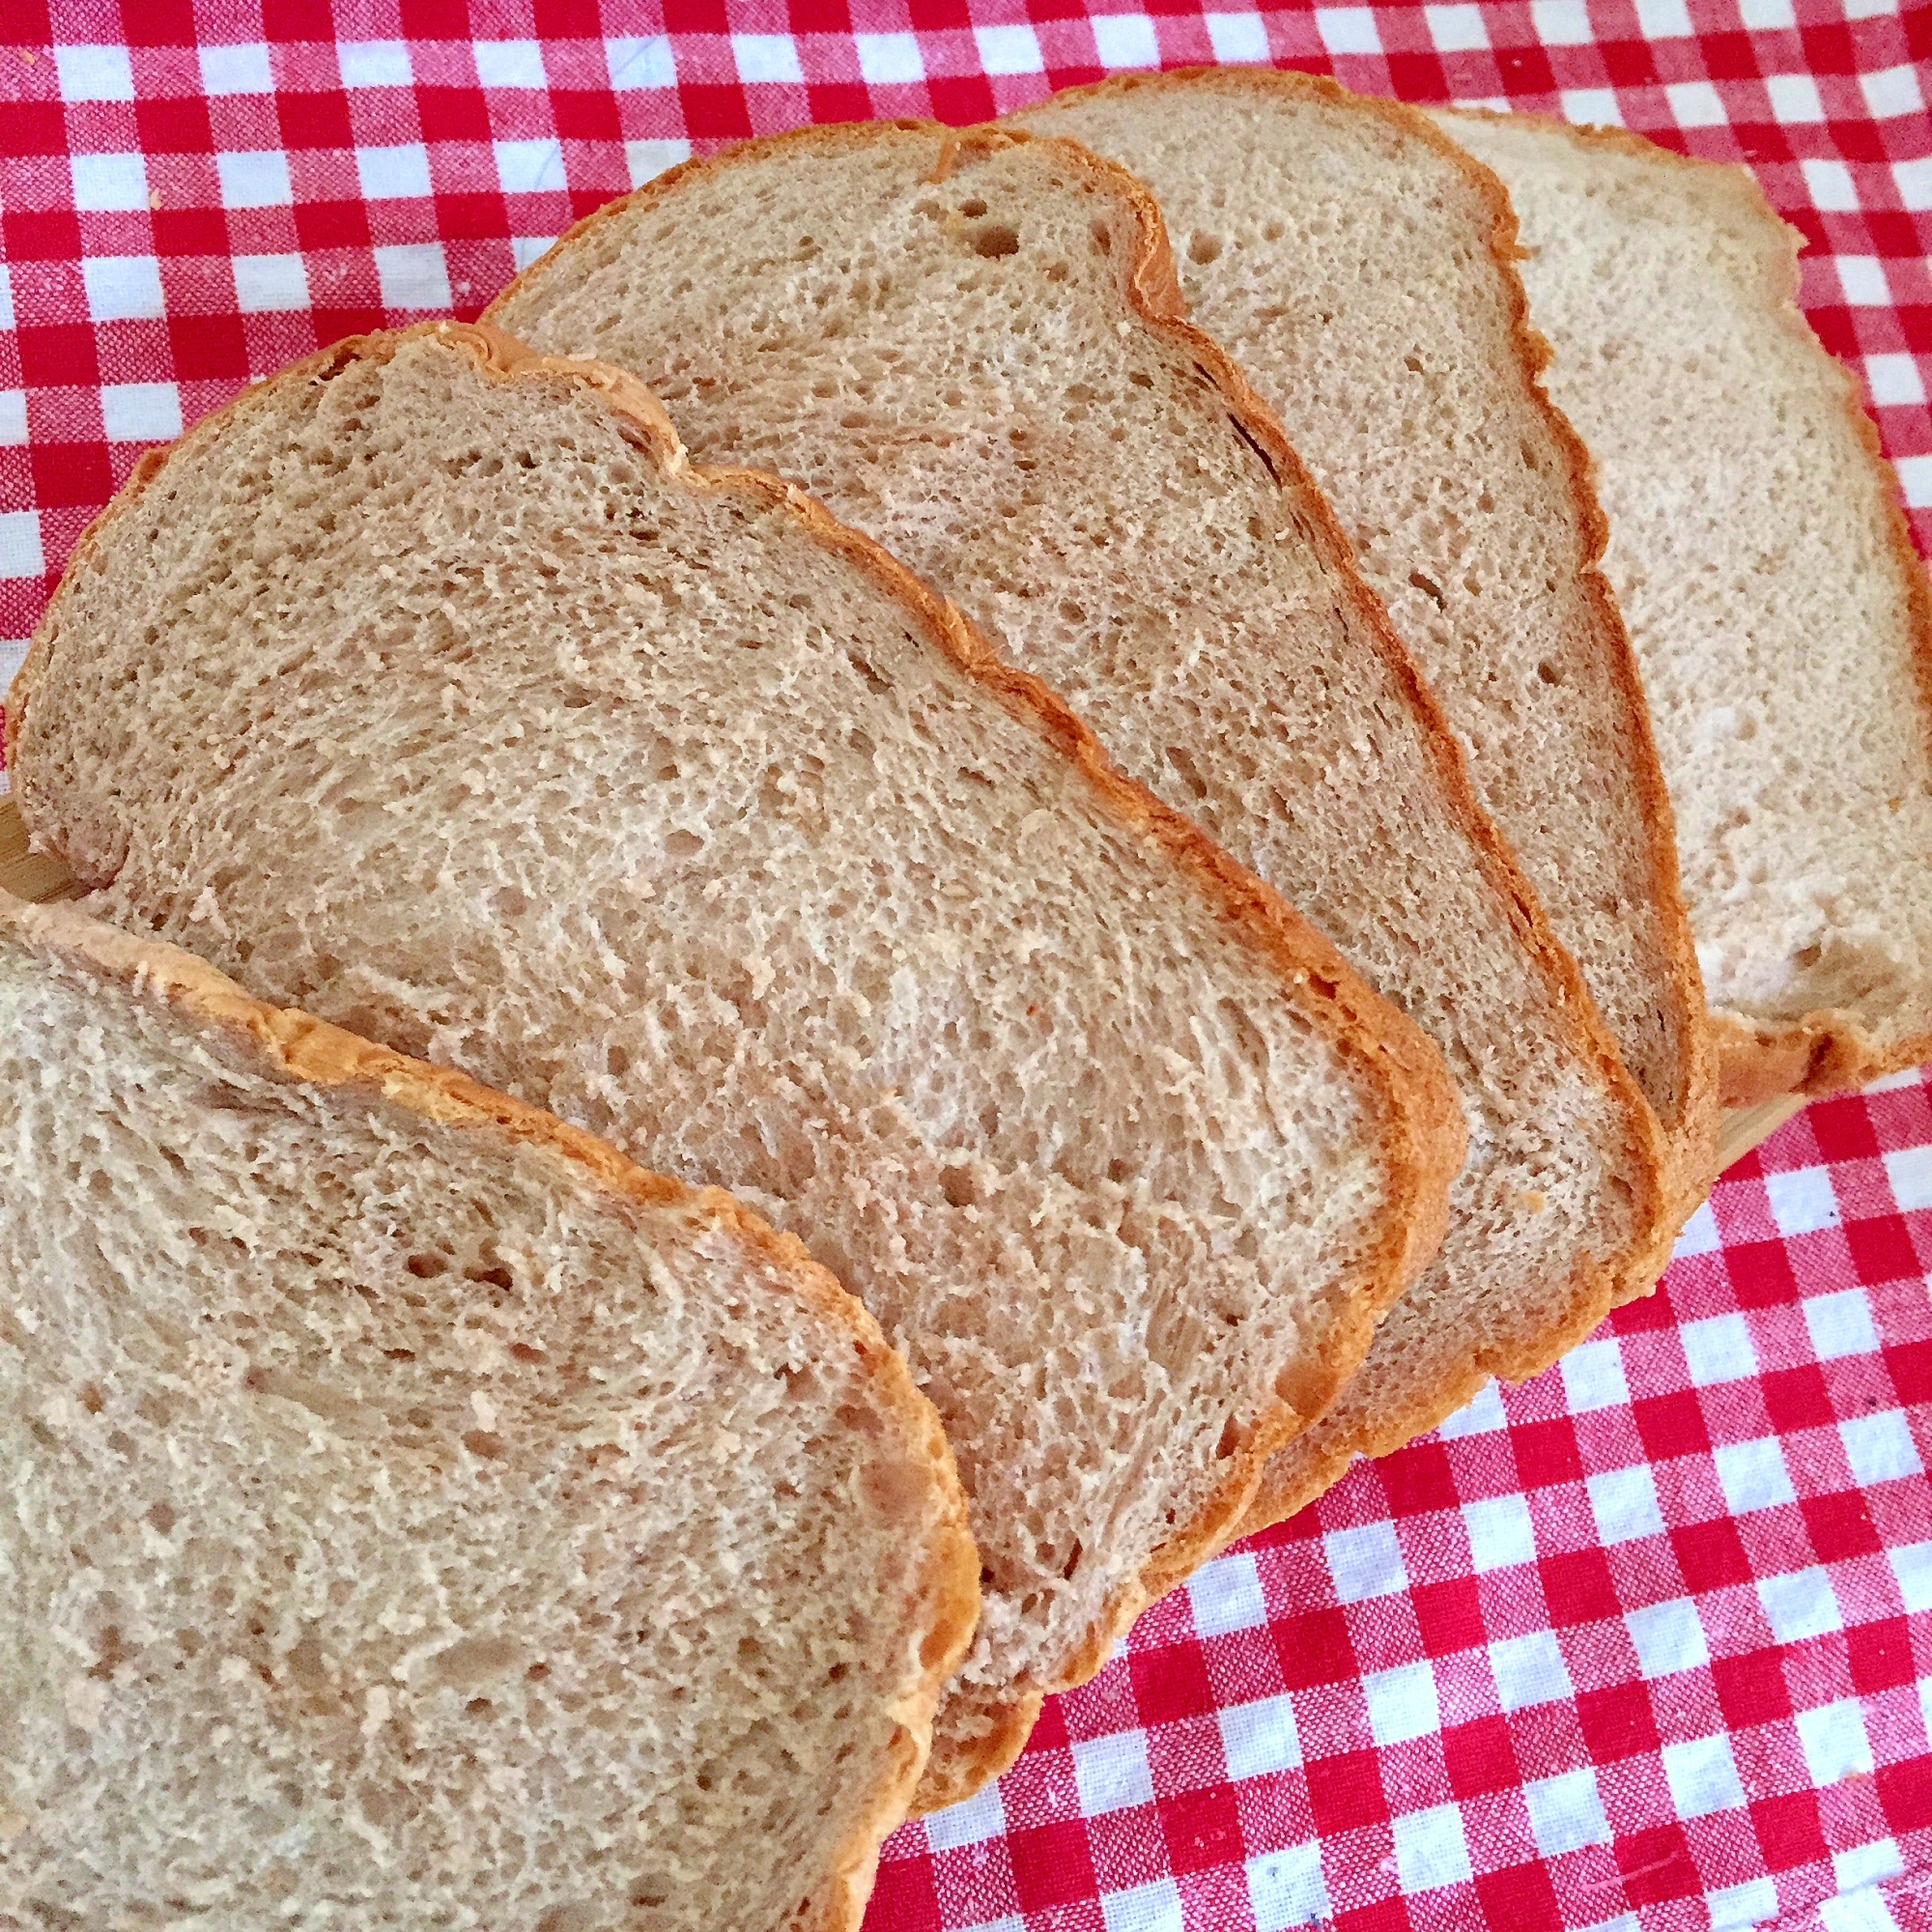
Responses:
[1830,1049]
[957,1774]
[1689,1116]
[287,1042]
[1423,1144]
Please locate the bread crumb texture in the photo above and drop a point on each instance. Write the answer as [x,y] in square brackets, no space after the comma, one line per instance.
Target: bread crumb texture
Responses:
[406,1530]
[459,710]
[963,344]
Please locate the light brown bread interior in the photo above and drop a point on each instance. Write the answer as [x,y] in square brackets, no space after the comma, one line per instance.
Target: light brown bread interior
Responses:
[418,1515]
[1360,267]
[972,346]
[1782,621]
[430,686]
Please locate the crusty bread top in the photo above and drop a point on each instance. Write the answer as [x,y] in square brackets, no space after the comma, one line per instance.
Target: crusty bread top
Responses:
[1783,620]
[273,1173]
[973,346]
[876,1160]
[1363,269]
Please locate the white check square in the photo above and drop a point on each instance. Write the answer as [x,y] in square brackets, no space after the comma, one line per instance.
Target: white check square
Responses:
[265,283]
[254,178]
[889,60]
[1799,1604]
[1830,184]
[140,411]
[1668,1637]
[646,161]
[1840,1323]
[1502,1532]
[1112,1773]
[1566,1811]
[766,58]
[1154,1907]
[1226,1595]
[1894,380]
[528,167]
[1125,40]
[1286,1888]
[13,417]
[21,544]
[1593,1376]
[1260,1738]
[1008,49]
[510,64]
[374,62]
[1457,29]
[1703,1776]
[1624,1502]
[1528,1669]
[1801,1202]
[123,288]
[1795,99]
[242,69]
[1402,1703]
[1238,40]
[109,183]
[1718,1349]
[1754,1475]
[1835,1741]
[1364,1562]
[393,174]
[95,73]
[1348,30]
[414,275]
[1430,1848]
[1695,103]
[1879,1447]
[971,1821]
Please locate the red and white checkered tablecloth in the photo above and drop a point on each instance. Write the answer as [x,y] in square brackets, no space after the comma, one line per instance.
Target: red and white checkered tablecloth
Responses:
[1646,1643]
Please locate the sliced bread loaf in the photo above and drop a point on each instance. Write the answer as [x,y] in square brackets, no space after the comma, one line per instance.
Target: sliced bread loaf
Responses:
[432,686]
[972,346]
[1360,267]
[417,1515]
[1782,621]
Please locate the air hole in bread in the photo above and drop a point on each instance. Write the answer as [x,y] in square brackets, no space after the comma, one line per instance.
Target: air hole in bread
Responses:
[972,208]
[1428,586]
[995,238]
[1104,238]
[426,1268]
[1189,773]
[1548,672]
[1202,249]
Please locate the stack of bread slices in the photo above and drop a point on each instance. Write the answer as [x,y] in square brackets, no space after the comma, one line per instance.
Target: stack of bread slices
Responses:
[1192,742]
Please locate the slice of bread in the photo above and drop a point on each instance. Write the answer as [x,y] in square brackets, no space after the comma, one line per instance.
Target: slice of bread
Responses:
[1782,621]
[416,1514]
[432,686]
[972,345]
[1360,267]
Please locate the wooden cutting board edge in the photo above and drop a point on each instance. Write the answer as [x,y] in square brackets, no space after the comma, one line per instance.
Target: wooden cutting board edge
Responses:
[32,875]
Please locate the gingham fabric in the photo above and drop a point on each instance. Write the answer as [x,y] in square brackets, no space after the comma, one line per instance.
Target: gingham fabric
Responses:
[1646,1643]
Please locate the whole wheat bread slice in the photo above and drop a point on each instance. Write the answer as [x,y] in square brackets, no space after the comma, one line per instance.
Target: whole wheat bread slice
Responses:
[1782,621]
[416,1514]
[1360,267]
[432,686]
[972,345]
